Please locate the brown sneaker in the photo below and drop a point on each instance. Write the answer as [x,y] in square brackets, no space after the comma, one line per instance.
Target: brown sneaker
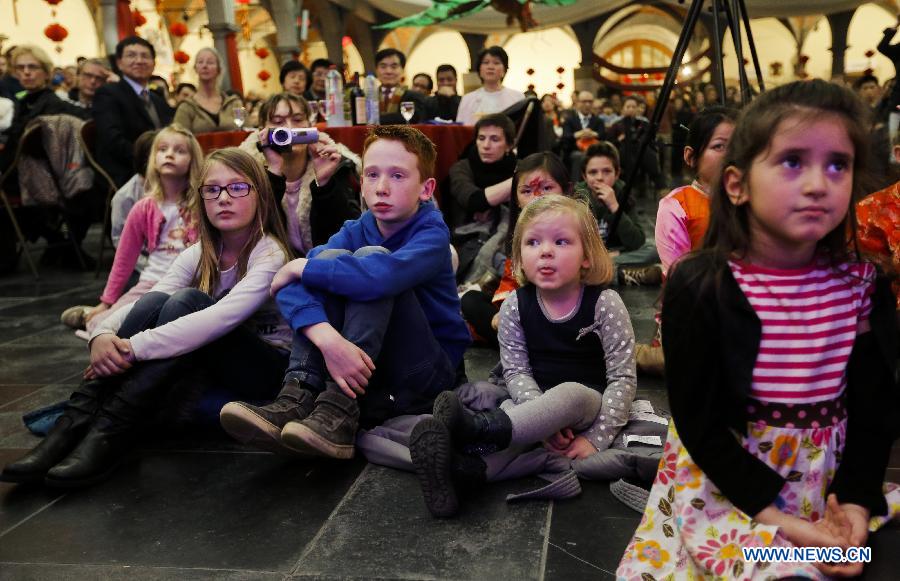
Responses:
[330,430]
[260,426]
[649,359]
[641,275]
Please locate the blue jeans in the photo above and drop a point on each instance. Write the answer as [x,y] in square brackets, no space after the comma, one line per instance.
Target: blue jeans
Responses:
[411,367]
[237,364]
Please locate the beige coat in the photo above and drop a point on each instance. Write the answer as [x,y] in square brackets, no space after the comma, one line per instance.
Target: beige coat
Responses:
[193,118]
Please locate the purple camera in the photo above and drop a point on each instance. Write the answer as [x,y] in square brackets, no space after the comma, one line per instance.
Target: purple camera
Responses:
[284,137]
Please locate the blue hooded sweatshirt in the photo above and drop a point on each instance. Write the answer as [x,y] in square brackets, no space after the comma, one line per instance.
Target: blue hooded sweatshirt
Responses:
[419,259]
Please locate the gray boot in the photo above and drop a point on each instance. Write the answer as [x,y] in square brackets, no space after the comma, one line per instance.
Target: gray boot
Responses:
[330,430]
[260,426]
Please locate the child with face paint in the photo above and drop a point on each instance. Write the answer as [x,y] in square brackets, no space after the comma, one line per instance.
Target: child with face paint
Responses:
[536,175]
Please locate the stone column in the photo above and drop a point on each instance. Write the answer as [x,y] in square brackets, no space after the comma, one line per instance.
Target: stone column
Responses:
[840,25]
[287,40]
[475,43]
[223,28]
[331,28]
[110,25]
[586,33]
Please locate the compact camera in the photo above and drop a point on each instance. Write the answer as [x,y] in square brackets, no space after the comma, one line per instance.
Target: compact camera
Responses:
[282,138]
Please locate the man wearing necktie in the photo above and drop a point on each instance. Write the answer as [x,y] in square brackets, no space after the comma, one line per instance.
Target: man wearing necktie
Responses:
[389,64]
[580,130]
[124,110]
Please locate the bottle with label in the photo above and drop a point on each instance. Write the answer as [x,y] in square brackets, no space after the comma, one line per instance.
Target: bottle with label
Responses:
[334,98]
[358,105]
[373,116]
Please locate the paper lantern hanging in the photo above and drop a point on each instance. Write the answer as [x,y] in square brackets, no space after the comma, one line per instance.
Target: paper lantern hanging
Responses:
[262,52]
[181,57]
[263,76]
[178,29]
[560,70]
[529,72]
[138,18]
[346,41]
[870,53]
[57,33]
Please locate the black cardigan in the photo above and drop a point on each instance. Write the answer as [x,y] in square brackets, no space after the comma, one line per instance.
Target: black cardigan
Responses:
[332,205]
[711,339]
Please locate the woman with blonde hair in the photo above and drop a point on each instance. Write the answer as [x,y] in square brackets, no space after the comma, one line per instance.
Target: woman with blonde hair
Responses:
[209,109]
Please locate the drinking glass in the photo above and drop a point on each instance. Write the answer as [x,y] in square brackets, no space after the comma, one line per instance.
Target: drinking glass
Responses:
[407,109]
[240,115]
[323,110]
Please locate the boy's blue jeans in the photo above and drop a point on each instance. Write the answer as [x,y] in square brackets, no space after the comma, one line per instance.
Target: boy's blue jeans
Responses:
[411,368]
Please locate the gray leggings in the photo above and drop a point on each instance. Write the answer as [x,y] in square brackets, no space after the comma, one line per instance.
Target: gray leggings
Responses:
[568,405]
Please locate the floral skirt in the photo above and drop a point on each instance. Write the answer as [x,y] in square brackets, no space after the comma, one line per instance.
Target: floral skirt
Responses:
[691,531]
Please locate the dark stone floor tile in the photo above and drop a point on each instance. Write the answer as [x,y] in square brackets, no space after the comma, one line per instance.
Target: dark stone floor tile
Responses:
[39,398]
[55,335]
[588,534]
[885,546]
[30,364]
[11,393]
[67,572]
[19,502]
[189,510]
[480,361]
[10,423]
[383,530]
[13,327]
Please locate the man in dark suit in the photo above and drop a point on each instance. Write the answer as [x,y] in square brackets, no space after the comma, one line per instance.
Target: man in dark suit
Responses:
[124,110]
[389,65]
[445,102]
[581,126]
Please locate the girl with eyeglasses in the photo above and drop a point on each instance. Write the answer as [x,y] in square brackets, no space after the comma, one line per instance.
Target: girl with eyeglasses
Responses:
[211,309]
[162,224]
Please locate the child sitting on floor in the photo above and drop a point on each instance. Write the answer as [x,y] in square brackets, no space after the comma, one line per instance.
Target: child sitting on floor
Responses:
[377,330]
[567,350]
[163,222]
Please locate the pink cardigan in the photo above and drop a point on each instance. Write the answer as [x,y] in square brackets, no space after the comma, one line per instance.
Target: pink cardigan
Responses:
[143,226]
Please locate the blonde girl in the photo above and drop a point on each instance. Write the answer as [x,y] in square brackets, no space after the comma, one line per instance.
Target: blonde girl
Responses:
[162,224]
[566,347]
[211,312]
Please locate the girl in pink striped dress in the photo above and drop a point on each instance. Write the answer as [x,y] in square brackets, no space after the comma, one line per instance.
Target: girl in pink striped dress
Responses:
[774,335]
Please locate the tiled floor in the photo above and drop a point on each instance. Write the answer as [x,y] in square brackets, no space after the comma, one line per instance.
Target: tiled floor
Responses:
[196,506]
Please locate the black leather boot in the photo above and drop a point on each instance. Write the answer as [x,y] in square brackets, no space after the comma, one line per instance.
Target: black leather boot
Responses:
[330,430]
[260,426]
[115,426]
[491,429]
[65,435]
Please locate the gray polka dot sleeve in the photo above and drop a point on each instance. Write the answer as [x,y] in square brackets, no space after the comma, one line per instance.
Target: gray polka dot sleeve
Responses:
[613,326]
[514,353]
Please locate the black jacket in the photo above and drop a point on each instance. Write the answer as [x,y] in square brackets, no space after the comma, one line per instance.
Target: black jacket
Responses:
[711,339]
[572,125]
[31,106]
[420,115]
[121,118]
[442,106]
[332,205]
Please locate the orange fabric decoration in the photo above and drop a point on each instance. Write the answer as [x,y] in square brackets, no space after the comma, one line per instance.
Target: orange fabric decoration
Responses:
[696,206]
[878,216]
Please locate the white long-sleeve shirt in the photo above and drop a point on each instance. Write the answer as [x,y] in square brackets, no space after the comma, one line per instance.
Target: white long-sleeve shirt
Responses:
[237,302]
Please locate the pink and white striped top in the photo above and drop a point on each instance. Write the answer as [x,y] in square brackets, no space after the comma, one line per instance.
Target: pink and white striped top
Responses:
[809,322]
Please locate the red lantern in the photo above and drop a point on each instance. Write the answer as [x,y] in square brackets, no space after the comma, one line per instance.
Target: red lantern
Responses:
[803,59]
[242,1]
[178,29]
[531,87]
[56,32]
[262,52]
[560,70]
[870,53]
[560,86]
[626,79]
[52,2]
[181,57]
[346,41]
[263,76]
[529,72]
[138,18]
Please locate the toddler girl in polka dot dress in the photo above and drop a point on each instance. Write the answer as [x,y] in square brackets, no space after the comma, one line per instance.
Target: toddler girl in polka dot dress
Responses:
[566,348]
